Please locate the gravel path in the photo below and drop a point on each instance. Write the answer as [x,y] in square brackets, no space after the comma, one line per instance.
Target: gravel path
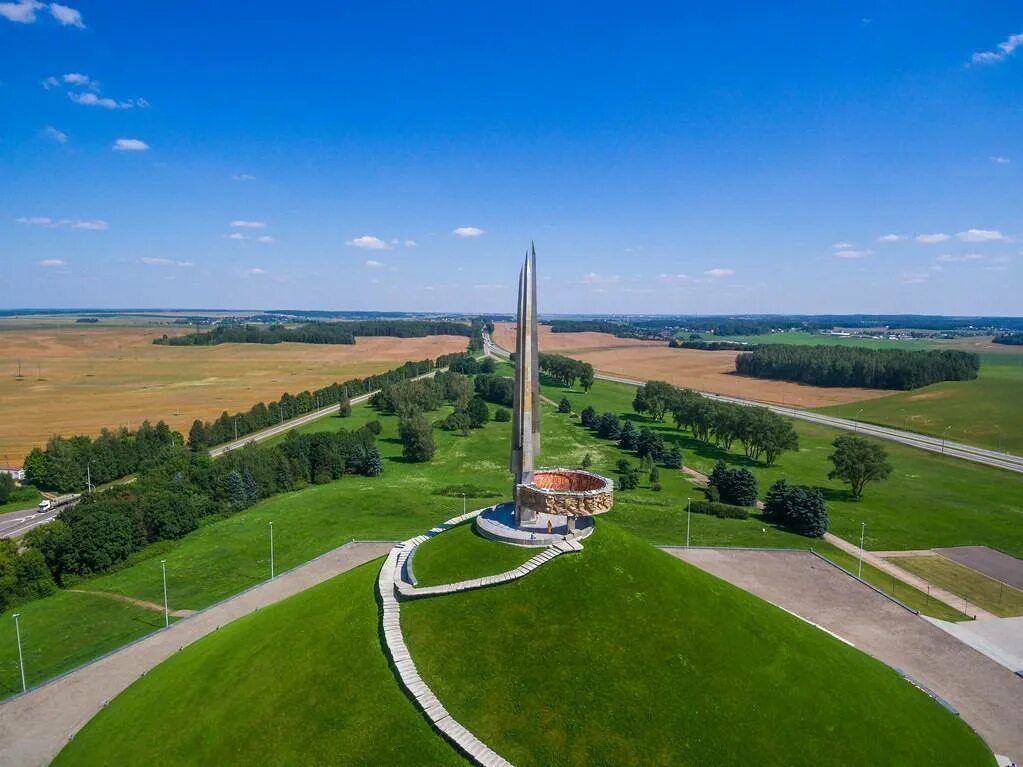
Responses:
[35,726]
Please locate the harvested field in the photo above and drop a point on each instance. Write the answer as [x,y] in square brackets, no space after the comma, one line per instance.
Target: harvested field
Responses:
[77,380]
[504,336]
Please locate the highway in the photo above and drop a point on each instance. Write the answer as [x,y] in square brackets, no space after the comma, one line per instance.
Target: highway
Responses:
[14,524]
[994,458]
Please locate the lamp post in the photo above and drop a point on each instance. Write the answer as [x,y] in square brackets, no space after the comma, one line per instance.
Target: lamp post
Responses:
[166,609]
[271,551]
[859,566]
[463,504]
[943,433]
[689,517]
[21,659]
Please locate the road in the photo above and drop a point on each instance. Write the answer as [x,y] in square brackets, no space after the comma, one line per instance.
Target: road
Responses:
[933,444]
[14,524]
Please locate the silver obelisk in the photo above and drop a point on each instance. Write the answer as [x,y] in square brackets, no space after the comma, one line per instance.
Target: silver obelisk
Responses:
[526,416]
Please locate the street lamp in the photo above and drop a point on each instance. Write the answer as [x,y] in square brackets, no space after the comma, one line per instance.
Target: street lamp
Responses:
[21,659]
[943,433]
[689,518]
[463,504]
[166,609]
[856,427]
[863,532]
[271,551]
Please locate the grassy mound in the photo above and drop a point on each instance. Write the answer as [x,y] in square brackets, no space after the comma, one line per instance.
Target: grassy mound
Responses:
[624,655]
[302,682]
[461,553]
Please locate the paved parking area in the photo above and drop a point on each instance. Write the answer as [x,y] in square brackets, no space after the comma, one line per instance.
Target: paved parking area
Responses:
[986,694]
[992,563]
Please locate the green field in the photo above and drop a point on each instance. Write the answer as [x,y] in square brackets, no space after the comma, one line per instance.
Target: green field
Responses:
[623,655]
[976,588]
[799,338]
[986,412]
[304,681]
[461,553]
[930,500]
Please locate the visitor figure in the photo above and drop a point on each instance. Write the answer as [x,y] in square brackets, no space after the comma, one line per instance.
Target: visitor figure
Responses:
[550,527]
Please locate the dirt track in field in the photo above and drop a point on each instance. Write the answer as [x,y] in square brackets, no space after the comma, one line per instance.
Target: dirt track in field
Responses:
[77,380]
[703,371]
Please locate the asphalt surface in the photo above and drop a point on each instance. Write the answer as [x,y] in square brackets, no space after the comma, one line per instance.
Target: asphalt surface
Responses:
[933,444]
[16,523]
[992,563]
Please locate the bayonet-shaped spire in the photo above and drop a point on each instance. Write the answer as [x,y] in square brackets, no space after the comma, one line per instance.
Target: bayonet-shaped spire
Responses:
[526,417]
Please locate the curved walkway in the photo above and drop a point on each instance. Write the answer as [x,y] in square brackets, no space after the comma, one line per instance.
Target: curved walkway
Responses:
[391,582]
[35,725]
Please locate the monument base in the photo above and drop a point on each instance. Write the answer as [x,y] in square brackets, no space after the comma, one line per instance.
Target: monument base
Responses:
[501,523]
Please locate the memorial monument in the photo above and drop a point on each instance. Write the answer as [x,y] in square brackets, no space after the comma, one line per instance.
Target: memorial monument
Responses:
[549,504]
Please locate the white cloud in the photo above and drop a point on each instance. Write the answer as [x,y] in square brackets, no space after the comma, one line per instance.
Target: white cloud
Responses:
[930,239]
[51,82]
[130,145]
[950,259]
[673,279]
[996,268]
[77,78]
[368,241]
[151,261]
[90,99]
[853,253]
[468,231]
[914,279]
[22,12]
[980,235]
[373,264]
[235,236]
[842,245]
[266,239]
[592,278]
[255,270]
[51,262]
[242,224]
[891,238]
[95,224]
[1000,159]
[57,135]
[488,286]
[69,17]
[1005,49]
[411,244]
[35,220]
[719,272]
[243,177]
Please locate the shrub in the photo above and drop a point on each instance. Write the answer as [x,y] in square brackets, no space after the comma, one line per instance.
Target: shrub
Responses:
[564,406]
[801,509]
[656,487]
[655,476]
[501,415]
[587,461]
[720,510]
[588,416]
[373,427]
[734,486]
[344,408]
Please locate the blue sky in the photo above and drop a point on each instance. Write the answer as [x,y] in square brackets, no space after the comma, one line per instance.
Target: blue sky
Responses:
[720,158]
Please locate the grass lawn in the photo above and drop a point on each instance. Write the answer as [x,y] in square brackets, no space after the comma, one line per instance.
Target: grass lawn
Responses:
[988,593]
[624,655]
[930,501]
[890,585]
[984,412]
[65,630]
[304,681]
[461,553]
[21,498]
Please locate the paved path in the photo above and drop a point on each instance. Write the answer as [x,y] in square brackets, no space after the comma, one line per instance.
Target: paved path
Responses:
[133,601]
[913,580]
[35,726]
[932,444]
[986,694]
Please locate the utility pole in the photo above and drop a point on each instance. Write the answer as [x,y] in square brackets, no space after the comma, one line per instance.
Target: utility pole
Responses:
[463,504]
[166,609]
[859,567]
[21,659]
[88,475]
[943,433]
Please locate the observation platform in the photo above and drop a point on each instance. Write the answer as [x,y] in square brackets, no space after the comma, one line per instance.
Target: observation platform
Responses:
[498,523]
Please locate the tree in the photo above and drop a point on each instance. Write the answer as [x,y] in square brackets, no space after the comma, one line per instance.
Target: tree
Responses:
[7,487]
[608,426]
[488,366]
[586,377]
[858,461]
[801,509]
[457,421]
[673,458]
[501,415]
[416,438]
[649,444]
[735,486]
[628,475]
[655,398]
[36,467]
[374,466]
[564,406]
[654,476]
[478,412]
[588,416]
[344,407]
[197,435]
[587,461]
[629,437]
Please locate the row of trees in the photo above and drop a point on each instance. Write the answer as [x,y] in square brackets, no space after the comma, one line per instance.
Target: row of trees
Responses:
[171,497]
[566,370]
[857,366]
[645,442]
[496,389]
[65,464]
[764,435]
[1009,339]
[321,332]
[711,346]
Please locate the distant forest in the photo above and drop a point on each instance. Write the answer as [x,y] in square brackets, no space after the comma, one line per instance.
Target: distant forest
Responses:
[1009,339]
[318,332]
[855,366]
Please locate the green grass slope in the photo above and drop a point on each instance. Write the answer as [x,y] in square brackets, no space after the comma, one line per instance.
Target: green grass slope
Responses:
[302,682]
[625,655]
[461,553]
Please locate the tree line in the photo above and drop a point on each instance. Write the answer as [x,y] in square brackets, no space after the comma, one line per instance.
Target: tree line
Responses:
[322,332]
[857,366]
[566,370]
[711,346]
[172,496]
[1008,339]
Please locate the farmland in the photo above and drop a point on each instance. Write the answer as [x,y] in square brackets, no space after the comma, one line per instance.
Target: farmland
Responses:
[77,379]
